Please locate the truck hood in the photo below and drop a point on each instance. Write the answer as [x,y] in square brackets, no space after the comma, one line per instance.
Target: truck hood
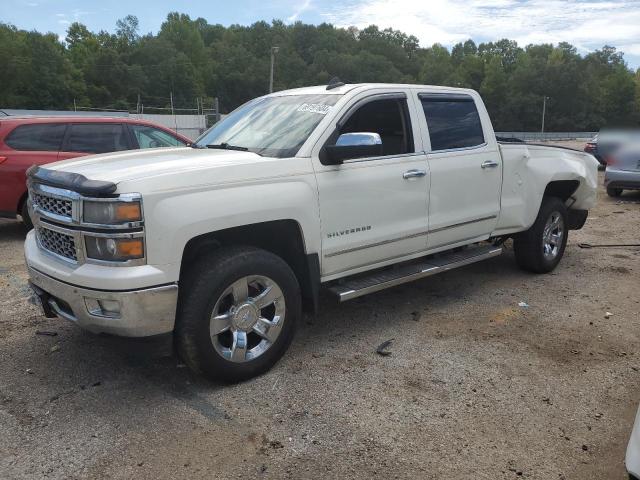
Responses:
[141,164]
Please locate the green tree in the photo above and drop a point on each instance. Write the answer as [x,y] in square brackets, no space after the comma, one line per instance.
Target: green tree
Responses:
[194,59]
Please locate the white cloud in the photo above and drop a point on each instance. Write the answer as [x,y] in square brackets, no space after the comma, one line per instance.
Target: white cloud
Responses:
[304,6]
[67,18]
[586,24]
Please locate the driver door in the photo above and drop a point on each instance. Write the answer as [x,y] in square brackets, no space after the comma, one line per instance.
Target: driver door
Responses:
[374,210]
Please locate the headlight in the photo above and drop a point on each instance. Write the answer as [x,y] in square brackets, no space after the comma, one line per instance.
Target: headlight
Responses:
[112,212]
[114,249]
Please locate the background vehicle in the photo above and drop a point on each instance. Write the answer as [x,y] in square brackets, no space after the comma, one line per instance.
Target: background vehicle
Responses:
[592,147]
[623,168]
[355,188]
[26,141]
[605,144]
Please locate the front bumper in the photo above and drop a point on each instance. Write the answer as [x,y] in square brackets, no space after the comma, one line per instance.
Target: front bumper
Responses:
[140,313]
[632,460]
[625,179]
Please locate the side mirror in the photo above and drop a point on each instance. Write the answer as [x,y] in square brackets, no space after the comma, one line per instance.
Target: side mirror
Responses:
[353,145]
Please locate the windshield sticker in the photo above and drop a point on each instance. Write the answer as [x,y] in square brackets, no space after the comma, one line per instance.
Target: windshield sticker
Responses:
[314,108]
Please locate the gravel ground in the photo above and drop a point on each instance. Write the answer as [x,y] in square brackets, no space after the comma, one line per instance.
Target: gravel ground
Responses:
[476,386]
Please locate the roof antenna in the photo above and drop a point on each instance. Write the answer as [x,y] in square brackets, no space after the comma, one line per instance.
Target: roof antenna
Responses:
[334,83]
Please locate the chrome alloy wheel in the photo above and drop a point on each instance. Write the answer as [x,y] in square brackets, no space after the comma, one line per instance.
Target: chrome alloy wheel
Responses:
[552,236]
[247,318]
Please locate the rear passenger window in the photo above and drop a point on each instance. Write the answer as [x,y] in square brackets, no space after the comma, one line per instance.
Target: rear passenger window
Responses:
[97,138]
[41,137]
[453,121]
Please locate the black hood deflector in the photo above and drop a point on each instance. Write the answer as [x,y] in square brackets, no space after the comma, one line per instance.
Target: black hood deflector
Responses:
[70,181]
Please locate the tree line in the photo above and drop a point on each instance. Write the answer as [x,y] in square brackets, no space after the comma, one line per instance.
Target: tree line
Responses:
[195,59]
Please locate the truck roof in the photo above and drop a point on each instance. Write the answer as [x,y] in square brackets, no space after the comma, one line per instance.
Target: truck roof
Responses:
[341,90]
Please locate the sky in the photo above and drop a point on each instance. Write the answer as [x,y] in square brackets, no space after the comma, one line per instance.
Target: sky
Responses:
[587,24]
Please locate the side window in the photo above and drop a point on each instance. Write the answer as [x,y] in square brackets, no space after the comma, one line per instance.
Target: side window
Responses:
[390,119]
[149,137]
[96,138]
[37,137]
[453,121]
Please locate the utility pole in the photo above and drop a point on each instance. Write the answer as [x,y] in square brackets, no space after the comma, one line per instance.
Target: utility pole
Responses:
[75,109]
[544,110]
[175,122]
[274,50]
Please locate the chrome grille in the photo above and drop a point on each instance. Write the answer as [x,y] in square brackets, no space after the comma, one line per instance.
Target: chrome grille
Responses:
[58,243]
[57,206]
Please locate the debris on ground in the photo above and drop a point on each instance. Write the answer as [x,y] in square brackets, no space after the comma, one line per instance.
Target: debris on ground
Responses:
[605,245]
[55,348]
[381,350]
[46,333]
[523,304]
[608,315]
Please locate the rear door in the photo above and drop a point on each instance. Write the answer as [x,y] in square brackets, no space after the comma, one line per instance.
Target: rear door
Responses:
[93,138]
[465,168]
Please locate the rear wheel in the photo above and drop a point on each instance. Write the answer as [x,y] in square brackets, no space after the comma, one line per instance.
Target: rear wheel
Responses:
[614,192]
[26,218]
[238,311]
[540,248]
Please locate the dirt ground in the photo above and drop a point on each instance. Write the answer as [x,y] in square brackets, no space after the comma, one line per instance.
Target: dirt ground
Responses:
[476,386]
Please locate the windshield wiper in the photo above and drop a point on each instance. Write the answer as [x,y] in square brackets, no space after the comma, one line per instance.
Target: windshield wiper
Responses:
[226,146]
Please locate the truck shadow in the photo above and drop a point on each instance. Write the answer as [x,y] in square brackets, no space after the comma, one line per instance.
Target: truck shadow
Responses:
[131,375]
[12,230]
[405,302]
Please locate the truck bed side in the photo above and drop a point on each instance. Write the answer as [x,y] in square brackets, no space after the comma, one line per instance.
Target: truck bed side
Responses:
[529,169]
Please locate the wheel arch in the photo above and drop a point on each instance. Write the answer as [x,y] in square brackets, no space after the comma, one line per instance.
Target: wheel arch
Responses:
[562,189]
[280,237]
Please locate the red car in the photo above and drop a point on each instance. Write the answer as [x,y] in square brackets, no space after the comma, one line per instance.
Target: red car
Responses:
[26,141]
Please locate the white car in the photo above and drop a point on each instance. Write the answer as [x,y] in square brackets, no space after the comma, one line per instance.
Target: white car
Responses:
[353,188]
[632,460]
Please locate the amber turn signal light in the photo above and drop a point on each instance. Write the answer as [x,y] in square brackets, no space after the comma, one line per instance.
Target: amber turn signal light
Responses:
[128,211]
[131,248]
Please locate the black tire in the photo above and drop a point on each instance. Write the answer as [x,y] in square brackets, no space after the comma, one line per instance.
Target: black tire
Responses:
[204,285]
[24,213]
[529,246]
[614,192]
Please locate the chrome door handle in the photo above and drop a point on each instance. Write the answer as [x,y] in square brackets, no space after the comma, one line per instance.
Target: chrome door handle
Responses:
[414,174]
[489,164]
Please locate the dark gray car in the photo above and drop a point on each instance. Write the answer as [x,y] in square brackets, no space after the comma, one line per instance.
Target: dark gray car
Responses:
[623,166]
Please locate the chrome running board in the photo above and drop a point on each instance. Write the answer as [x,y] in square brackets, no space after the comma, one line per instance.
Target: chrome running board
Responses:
[370,282]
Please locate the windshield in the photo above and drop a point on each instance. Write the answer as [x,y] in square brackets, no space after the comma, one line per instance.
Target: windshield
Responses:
[270,126]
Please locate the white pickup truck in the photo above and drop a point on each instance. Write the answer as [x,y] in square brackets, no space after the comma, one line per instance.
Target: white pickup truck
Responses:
[353,188]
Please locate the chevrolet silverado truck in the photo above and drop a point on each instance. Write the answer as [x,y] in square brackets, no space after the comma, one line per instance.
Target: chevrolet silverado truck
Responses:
[351,188]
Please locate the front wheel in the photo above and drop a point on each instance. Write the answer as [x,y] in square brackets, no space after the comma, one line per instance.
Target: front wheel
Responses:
[540,248]
[237,313]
